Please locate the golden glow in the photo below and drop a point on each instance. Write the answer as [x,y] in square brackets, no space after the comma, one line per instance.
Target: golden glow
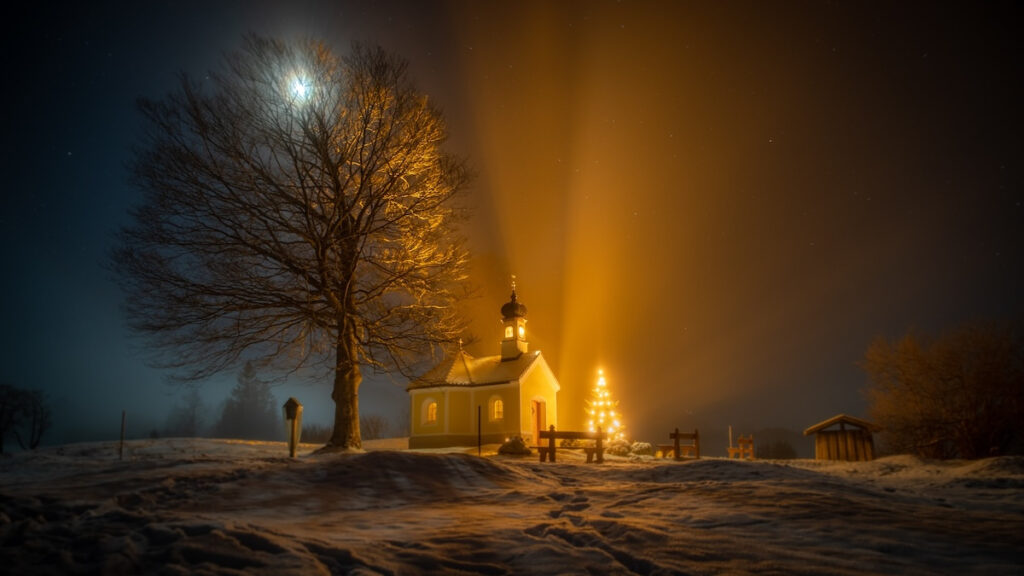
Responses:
[591,250]
[508,331]
[522,331]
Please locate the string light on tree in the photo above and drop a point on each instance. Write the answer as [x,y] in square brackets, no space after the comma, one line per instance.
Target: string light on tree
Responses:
[602,410]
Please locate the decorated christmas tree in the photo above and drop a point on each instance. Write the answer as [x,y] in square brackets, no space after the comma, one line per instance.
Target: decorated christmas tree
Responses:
[602,410]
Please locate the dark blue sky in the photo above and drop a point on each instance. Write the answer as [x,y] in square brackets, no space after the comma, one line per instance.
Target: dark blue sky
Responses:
[722,204]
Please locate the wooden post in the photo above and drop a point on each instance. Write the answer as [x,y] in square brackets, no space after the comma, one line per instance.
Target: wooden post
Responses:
[600,448]
[120,448]
[479,433]
[551,443]
[696,442]
[675,444]
[293,418]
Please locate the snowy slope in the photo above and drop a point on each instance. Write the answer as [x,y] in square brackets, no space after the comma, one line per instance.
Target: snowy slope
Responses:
[184,506]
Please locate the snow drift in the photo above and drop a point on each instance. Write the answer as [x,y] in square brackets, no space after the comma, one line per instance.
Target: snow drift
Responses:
[184,506]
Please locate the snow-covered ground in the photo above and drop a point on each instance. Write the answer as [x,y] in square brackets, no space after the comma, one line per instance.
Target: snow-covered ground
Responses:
[193,506]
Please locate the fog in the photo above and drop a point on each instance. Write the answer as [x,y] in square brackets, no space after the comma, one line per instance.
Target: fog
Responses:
[719,206]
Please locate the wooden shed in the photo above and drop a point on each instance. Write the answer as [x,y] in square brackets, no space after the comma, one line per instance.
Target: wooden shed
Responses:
[853,441]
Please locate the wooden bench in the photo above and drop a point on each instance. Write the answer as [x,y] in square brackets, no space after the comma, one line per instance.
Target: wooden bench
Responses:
[594,453]
[744,448]
[679,450]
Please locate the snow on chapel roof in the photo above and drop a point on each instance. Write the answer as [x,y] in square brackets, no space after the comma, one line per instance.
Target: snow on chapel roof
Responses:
[461,369]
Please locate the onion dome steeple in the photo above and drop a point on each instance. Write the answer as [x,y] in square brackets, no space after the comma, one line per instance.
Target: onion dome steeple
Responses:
[513,308]
[513,320]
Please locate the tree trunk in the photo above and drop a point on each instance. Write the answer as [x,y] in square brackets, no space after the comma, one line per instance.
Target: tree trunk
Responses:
[347,378]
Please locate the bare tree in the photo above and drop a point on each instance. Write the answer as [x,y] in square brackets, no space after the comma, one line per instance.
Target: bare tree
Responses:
[25,414]
[11,411]
[959,395]
[36,421]
[298,209]
[373,426]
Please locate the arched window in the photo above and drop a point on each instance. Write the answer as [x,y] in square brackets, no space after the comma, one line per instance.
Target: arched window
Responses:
[429,411]
[497,411]
[508,331]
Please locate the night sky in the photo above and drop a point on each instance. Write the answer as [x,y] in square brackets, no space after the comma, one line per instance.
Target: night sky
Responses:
[719,204]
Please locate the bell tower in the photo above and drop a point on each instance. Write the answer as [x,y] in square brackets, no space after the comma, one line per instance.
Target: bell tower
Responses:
[513,321]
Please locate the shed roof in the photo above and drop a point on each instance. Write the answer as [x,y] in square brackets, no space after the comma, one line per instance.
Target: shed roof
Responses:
[844,419]
[461,369]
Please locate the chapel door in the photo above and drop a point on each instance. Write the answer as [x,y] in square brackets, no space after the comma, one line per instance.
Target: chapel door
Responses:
[539,410]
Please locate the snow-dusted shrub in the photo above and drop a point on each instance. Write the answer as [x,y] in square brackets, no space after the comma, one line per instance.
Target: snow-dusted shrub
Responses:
[515,446]
[618,447]
[642,449]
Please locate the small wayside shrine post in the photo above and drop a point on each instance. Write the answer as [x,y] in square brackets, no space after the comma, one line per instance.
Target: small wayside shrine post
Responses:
[852,442]
[293,421]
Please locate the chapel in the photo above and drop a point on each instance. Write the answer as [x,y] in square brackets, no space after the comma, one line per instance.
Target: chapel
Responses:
[514,392]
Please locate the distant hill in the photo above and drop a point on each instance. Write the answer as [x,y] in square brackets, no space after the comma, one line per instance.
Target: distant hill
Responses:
[802,445]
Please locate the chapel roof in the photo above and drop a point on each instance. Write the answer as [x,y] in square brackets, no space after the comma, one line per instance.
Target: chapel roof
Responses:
[462,369]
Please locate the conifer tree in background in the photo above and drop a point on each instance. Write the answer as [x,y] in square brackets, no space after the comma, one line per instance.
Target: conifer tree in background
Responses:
[185,420]
[251,411]
[603,411]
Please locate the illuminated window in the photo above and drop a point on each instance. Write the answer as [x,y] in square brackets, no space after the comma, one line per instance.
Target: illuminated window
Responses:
[429,415]
[522,331]
[508,331]
[496,409]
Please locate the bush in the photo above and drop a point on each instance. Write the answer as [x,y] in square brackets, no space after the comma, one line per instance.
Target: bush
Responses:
[315,433]
[957,396]
[619,447]
[642,449]
[515,446]
[373,426]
